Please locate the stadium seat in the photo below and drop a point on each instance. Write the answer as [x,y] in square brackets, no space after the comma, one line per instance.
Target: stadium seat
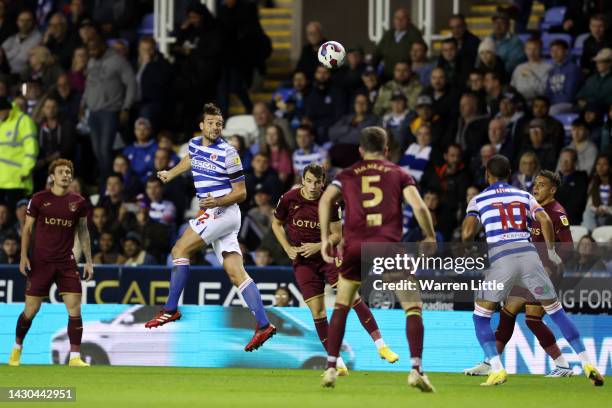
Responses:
[553,17]
[524,37]
[547,38]
[243,125]
[602,234]
[566,119]
[578,44]
[146,25]
[578,232]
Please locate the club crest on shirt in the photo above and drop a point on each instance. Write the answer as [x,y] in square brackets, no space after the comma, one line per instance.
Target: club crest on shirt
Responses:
[73,206]
[213,156]
[46,204]
[564,220]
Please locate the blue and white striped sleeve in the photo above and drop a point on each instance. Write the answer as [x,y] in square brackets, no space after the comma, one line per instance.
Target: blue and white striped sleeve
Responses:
[472,209]
[233,165]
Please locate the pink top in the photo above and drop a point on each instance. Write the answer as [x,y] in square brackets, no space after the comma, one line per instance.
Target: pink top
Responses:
[280,161]
[77,81]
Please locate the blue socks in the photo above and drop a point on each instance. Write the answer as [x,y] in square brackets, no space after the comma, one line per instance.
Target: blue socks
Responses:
[567,327]
[251,296]
[485,334]
[178,279]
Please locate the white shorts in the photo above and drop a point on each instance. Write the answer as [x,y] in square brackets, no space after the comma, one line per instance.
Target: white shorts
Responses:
[219,227]
[523,269]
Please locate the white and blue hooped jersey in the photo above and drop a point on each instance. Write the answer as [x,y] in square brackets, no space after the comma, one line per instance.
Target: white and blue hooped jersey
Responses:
[505,211]
[214,167]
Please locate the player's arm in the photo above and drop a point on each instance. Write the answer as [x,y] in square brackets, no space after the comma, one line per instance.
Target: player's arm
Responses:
[335,229]
[548,231]
[83,234]
[469,228]
[421,212]
[26,237]
[237,195]
[330,196]
[281,236]
[183,166]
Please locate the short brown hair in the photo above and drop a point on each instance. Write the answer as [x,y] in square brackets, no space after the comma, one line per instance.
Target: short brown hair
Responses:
[314,169]
[210,109]
[373,139]
[553,177]
[61,162]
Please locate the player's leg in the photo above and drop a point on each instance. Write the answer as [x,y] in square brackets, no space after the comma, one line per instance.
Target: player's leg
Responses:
[187,244]
[234,267]
[535,278]
[533,319]
[483,311]
[345,296]
[31,308]
[75,328]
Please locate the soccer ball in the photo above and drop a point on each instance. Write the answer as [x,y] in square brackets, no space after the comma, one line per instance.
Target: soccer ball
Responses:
[331,54]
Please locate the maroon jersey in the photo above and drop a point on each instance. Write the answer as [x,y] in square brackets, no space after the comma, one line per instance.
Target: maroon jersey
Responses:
[561,224]
[56,220]
[373,197]
[301,217]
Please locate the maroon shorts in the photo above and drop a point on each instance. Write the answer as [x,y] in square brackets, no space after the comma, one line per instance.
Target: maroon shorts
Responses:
[312,276]
[43,274]
[350,268]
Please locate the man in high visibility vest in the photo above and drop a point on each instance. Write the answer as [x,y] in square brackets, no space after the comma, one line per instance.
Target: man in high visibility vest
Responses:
[18,153]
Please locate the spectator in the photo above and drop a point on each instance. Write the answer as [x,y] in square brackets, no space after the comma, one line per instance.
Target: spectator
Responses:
[395,44]
[348,77]
[325,104]
[264,118]
[5,222]
[142,152]
[586,261]
[118,212]
[10,250]
[416,157]
[153,77]
[156,237]
[528,169]
[132,186]
[445,97]
[495,92]
[371,84]
[7,25]
[404,81]
[99,224]
[87,31]
[455,67]
[606,134]
[529,78]
[42,67]
[348,129]
[450,179]
[263,257]
[279,153]
[595,42]
[76,75]
[239,144]
[541,145]
[593,116]
[309,59]
[134,254]
[160,210]
[585,149]
[563,79]
[107,254]
[431,198]
[175,189]
[296,95]
[598,211]
[307,152]
[576,19]
[59,40]
[572,194]
[500,140]
[68,100]
[20,215]
[554,131]
[478,166]
[508,46]
[475,85]
[261,173]
[424,115]
[511,113]
[282,297]
[598,87]
[56,138]
[165,140]
[420,62]
[17,155]
[469,131]
[259,218]
[17,46]
[392,120]
[467,42]
[488,61]
[109,94]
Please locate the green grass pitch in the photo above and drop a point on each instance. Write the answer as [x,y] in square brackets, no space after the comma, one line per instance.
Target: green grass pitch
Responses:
[114,387]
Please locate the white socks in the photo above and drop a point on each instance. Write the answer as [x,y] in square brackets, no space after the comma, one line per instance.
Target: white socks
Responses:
[340,363]
[584,359]
[380,343]
[496,363]
[560,362]
[74,354]
[18,346]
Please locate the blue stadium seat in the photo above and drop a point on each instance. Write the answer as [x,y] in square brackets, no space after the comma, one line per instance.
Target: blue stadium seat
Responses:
[146,25]
[578,44]
[553,17]
[524,37]
[566,119]
[547,38]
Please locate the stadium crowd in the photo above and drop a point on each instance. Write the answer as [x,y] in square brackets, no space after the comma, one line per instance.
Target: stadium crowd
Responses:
[79,82]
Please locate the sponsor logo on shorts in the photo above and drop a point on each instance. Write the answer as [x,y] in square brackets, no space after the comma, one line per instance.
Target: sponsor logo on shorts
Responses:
[541,290]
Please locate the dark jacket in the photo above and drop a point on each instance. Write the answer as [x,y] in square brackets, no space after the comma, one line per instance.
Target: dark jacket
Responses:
[471,137]
[590,48]
[447,106]
[572,195]
[469,47]
[324,106]
[154,79]
[309,60]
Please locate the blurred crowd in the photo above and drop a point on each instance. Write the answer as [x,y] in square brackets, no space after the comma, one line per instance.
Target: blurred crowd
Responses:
[81,86]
